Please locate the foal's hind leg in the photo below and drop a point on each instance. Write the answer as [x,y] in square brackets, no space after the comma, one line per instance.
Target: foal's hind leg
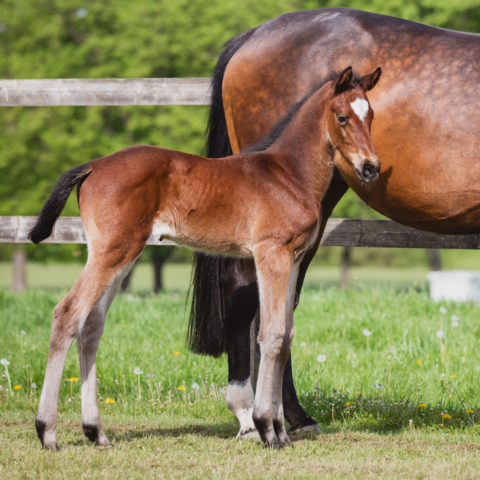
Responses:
[87,345]
[69,318]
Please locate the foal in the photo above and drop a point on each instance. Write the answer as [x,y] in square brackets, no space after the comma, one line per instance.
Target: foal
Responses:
[262,204]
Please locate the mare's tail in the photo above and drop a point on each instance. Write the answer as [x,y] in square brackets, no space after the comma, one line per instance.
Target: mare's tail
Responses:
[56,202]
[206,330]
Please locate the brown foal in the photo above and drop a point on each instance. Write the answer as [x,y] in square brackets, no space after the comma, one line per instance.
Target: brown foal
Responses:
[258,204]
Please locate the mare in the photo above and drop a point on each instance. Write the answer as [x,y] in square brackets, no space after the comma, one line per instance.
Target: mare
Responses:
[427,137]
[262,204]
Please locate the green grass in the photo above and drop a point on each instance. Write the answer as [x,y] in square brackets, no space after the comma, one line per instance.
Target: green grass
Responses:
[190,434]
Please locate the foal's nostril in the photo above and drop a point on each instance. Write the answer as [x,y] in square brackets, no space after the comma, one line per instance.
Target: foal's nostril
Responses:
[368,170]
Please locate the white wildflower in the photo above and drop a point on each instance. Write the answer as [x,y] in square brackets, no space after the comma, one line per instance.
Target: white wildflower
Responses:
[4,361]
[322,358]
[195,386]
[137,371]
[440,334]
[303,344]
[367,332]
[443,310]
[378,385]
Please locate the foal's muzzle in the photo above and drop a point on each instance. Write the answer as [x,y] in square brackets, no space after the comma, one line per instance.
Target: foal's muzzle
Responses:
[369,172]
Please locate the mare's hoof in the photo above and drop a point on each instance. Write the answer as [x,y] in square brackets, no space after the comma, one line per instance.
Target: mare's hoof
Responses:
[306,431]
[104,443]
[53,447]
[250,434]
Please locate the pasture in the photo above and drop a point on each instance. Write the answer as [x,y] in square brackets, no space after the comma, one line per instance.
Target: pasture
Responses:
[398,402]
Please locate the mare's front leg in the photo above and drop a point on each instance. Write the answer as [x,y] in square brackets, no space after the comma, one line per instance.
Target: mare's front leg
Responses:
[276,279]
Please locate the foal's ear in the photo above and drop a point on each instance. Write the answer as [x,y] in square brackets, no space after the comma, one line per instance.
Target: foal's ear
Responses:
[344,80]
[369,81]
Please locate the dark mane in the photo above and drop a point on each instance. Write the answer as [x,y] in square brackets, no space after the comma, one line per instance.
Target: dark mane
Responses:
[269,139]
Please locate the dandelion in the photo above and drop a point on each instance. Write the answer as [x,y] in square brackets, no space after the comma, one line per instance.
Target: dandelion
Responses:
[419,362]
[177,353]
[23,332]
[440,334]
[455,318]
[73,379]
[33,385]
[137,371]
[349,404]
[149,375]
[443,310]
[195,387]
[110,400]
[181,387]
[303,344]
[446,416]
[469,410]
[367,332]
[322,358]
[453,376]
[378,385]
[4,361]
[17,387]
[422,405]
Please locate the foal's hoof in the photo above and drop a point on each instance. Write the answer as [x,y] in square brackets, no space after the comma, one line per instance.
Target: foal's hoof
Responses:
[306,431]
[250,434]
[53,447]
[274,444]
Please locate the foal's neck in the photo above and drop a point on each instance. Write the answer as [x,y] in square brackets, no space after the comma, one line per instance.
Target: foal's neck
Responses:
[304,145]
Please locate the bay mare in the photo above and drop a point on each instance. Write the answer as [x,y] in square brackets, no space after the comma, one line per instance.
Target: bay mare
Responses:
[426,131]
[262,204]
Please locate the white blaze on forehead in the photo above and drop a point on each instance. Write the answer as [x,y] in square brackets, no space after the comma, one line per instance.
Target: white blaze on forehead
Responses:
[360,107]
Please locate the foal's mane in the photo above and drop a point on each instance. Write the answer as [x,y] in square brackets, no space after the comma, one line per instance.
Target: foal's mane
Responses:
[269,139]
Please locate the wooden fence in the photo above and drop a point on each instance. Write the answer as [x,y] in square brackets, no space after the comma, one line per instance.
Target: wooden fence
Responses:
[186,91]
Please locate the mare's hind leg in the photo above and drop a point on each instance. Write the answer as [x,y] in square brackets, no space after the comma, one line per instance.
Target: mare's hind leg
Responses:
[241,303]
[87,345]
[69,318]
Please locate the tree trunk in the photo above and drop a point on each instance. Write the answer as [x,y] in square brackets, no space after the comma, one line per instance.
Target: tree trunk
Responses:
[126,281]
[346,260]
[435,260]
[19,270]
[159,257]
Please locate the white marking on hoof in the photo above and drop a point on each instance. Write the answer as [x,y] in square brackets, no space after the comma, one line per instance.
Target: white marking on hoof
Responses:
[240,399]
[249,435]
[360,107]
[306,431]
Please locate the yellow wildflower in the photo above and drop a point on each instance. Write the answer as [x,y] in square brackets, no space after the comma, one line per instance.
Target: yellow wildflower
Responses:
[177,353]
[421,405]
[17,387]
[360,394]
[446,416]
[181,387]
[343,391]
[419,362]
[110,400]
[350,404]
[73,379]
[469,410]
[453,376]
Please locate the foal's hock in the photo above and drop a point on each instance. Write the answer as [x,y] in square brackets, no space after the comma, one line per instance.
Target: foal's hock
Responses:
[263,203]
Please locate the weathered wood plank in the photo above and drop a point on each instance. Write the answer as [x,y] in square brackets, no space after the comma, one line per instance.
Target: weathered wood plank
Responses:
[104,91]
[339,232]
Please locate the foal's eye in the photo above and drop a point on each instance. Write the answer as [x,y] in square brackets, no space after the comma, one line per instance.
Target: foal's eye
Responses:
[342,119]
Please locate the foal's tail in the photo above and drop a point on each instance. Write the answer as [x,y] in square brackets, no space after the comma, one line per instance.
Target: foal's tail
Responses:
[206,330]
[56,202]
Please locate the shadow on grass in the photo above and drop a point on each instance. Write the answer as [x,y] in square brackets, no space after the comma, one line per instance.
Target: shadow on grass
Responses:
[219,430]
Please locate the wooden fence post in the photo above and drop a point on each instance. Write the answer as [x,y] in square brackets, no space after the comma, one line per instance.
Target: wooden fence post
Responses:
[19,270]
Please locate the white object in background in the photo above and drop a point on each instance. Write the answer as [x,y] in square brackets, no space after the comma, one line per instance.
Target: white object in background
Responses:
[455,285]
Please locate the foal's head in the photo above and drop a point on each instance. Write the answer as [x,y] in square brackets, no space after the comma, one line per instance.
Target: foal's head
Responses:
[349,120]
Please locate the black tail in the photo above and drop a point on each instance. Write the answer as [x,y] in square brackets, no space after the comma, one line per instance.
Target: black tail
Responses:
[56,202]
[206,330]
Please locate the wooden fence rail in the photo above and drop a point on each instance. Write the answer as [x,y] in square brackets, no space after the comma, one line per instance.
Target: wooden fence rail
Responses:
[104,91]
[339,232]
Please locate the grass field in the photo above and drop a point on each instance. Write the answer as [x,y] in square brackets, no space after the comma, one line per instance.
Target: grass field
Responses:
[363,395]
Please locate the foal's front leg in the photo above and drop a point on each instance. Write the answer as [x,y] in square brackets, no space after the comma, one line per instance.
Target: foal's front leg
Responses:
[275,272]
